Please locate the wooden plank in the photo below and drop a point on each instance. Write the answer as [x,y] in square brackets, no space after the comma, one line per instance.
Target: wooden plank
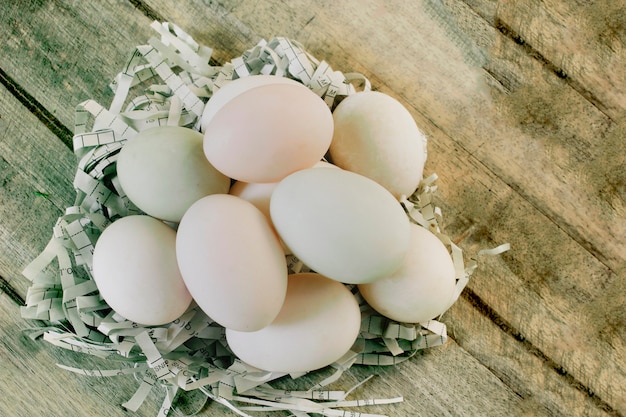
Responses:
[457,99]
[582,42]
[560,134]
[544,294]
[32,384]
[428,382]
[235,31]
[544,389]
[437,383]
[36,186]
[63,53]
[535,213]
[495,400]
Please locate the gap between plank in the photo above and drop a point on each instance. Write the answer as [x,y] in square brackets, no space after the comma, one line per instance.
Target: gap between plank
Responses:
[507,31]
[6,288]
[483,308]
[147,10]
[37,109]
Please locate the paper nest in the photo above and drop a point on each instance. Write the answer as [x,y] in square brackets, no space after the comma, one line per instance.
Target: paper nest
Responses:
[190,355]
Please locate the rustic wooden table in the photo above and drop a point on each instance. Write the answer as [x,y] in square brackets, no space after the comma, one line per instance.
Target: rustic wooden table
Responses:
[523,104]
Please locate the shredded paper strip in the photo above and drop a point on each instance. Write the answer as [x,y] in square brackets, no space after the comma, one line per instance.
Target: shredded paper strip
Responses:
[167,82]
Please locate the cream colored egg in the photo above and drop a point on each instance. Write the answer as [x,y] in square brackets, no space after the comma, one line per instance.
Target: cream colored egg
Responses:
[341,224]
[376,136]
[258,194]
[423,286]
[324,164]
[268,132]
[135,269]
[318,323]
[232,262]
[163,171]
[234,88]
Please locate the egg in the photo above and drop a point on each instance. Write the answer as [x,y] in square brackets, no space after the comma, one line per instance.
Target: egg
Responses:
[324,164]
[318,323]
[135,270]
[341,224]
[258,194]
[234,88]
[376,136]
[232,262]
[268,132]
[163,171]
[423,286]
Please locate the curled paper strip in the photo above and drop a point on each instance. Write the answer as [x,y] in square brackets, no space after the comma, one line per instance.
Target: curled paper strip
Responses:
[190,354]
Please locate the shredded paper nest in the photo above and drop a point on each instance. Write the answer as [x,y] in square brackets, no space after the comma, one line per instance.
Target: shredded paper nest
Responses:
[168,82]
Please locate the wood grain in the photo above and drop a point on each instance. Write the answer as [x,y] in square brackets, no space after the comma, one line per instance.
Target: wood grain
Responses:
[522,104]
[489,158]
[32,384]
[36,178]
[60,190]
[582,42]
[63,53]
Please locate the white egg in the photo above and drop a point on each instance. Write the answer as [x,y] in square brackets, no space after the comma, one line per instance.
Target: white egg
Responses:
[232,262]
[163,171]
[376,136]
[341,224]
[318,323]
[258,194]
[267,132]
[135,269]
[423,286]
[233,89]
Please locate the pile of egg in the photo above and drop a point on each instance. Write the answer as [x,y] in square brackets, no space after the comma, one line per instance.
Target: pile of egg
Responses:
[224,207]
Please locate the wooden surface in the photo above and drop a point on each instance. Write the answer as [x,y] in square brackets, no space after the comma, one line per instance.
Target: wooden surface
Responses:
[523,103]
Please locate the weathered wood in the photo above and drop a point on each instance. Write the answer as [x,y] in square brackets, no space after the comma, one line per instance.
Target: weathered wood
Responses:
[456,98]
[582,42]
[495,400]
[65,52]
[563,132]
[522,157]
[32,384]
[481,124]
[543,390]
[545,295]
[437,383]
[35,188]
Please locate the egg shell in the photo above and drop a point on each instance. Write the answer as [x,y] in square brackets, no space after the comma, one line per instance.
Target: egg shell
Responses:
[340,224]
[376,136]
[269,132]
[234,88]
[259,195]
[318,323]
[423,286]
[135,269]
[163,171]
[324,164]
[232,262]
